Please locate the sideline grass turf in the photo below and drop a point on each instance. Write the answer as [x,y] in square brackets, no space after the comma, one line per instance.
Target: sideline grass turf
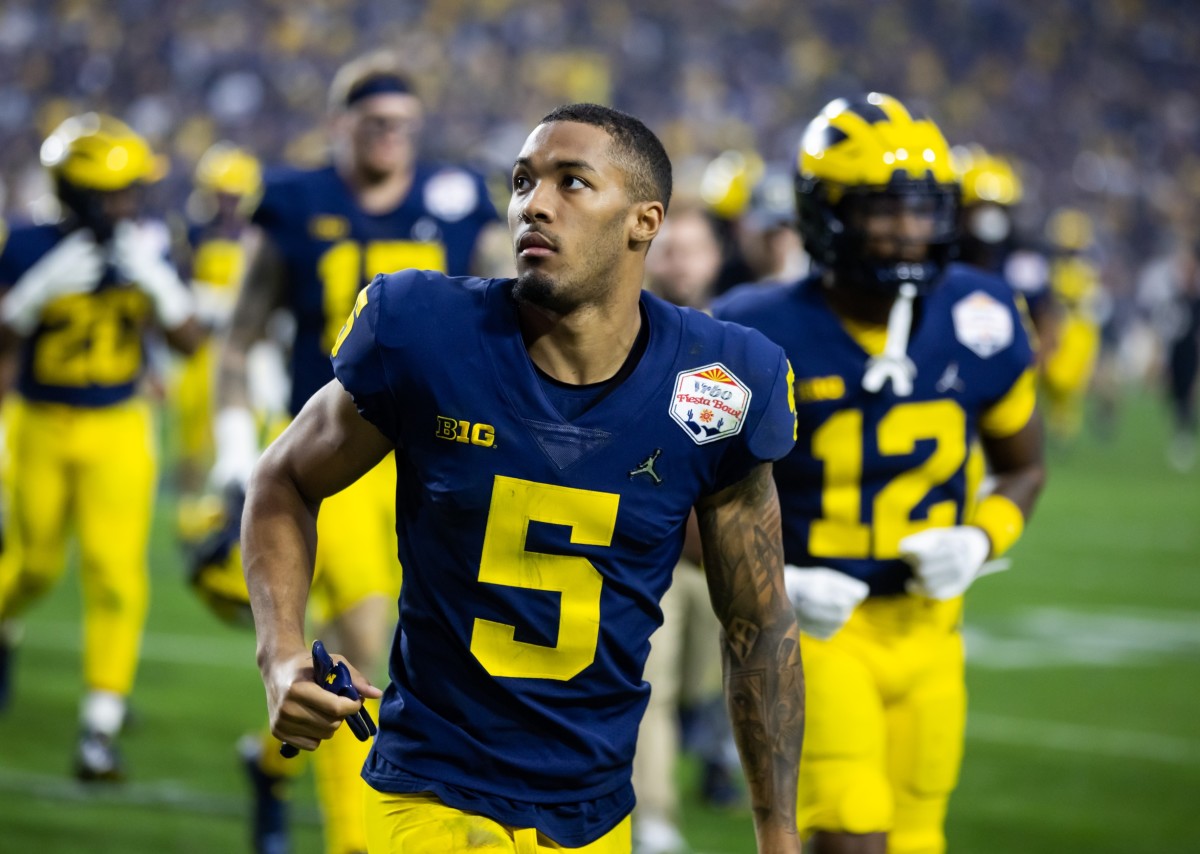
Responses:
[1084,677]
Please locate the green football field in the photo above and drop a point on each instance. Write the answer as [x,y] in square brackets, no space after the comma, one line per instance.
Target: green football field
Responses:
[1084,729]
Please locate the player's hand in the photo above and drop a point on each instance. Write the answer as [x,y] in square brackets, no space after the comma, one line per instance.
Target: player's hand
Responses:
[945,560]
[303,711]
[236,438]
[75,265]
[336,678]
[137,253]
[823,598]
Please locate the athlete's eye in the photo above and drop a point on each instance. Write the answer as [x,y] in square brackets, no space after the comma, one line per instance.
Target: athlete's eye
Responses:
[520,182]
[572,183]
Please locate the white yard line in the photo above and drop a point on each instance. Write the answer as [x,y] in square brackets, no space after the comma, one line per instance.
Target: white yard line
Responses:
[1082,738]
[225,648]
[231,652]
[172,795]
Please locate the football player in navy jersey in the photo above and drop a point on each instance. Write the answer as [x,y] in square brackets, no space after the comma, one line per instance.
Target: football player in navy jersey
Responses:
[551,435]
[318,236]
[79,297]
[227,184]
[903,363]
[989,239]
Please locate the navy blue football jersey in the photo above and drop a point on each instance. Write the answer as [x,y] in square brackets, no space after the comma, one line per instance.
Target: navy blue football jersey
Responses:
[88,348]
[535,547]
[331,249]
[868,468]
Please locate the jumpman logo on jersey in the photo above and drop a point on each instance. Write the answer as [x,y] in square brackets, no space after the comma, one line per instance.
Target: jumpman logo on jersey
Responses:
[950,379]
[647,467]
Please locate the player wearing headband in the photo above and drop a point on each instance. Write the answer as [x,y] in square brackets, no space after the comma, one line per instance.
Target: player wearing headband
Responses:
[317,238]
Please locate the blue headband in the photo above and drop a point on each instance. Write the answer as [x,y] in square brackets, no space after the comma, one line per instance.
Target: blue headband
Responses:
[382,85]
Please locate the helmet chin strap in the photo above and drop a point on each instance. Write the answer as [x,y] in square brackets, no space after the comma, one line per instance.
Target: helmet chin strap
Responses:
[893,363]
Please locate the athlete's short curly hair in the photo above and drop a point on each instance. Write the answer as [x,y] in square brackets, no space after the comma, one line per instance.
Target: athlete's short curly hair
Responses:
[635,148]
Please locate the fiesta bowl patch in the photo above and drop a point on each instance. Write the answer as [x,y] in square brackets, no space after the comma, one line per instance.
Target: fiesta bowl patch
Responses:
[710,403]
[982,324]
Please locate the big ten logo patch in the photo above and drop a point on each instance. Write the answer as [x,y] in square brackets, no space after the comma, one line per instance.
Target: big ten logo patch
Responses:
[455,430]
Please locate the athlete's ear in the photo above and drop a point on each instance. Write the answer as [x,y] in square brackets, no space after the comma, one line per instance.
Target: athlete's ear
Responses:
[647,220]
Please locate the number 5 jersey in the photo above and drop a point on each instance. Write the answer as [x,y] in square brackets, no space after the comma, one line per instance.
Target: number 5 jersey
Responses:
[536,547]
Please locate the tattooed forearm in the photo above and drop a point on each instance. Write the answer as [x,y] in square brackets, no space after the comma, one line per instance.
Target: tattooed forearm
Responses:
[764,681]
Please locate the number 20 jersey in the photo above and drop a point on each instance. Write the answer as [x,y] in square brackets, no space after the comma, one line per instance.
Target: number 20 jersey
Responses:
[868,468]
[331,248]
[87,349]
[536,549]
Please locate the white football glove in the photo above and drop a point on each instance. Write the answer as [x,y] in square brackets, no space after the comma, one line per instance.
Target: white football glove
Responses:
[137,253]
[75,265]
[945,560]
[235,434]
[823,598]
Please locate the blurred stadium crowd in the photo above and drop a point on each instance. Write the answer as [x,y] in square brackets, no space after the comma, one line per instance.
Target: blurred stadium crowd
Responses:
[1095,102]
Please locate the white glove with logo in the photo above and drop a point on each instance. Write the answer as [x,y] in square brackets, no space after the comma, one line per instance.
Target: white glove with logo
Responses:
[945,560]
[137,253]
[74,266]
[236,437]
[823,598]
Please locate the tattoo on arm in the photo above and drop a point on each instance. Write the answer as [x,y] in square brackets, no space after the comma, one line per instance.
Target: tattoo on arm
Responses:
[743,557]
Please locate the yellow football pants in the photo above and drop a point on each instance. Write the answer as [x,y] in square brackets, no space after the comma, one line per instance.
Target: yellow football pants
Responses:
[91,470]
[356,544]
[356,560]
[884,724]
[421,824]
[1067,375]
[192,394]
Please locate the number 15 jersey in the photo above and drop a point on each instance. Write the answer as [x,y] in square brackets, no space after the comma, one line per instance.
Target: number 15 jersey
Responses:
[536,548]
[331,248]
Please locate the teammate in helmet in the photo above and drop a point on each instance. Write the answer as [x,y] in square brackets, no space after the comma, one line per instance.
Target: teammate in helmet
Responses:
[991,240]
[318,237]
[1069,364]
[227,186]
[78,296]
[990,190]
[902,362]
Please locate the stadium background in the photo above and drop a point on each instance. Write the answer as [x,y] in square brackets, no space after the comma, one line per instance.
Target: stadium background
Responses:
[1084,660]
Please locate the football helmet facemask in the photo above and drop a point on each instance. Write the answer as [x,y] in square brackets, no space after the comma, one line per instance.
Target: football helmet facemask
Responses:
[866,158]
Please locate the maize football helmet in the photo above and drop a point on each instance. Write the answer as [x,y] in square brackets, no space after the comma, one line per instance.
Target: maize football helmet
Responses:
[986,177]
[93,154]
[1070,230]
[229,170]
[728,181]
[990,189]
[871,156]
